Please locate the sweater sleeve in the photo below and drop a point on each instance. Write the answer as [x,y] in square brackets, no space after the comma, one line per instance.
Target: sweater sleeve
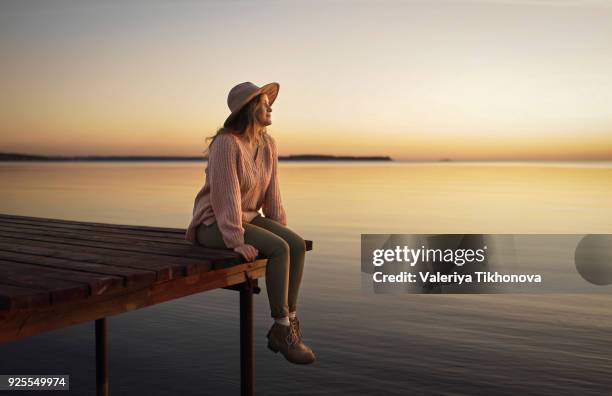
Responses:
[272,205]
[225,189]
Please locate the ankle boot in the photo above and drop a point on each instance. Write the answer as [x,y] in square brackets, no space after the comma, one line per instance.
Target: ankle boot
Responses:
[284,339]
[295,322]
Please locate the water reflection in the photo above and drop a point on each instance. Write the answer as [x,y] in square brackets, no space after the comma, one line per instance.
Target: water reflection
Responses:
[427,344]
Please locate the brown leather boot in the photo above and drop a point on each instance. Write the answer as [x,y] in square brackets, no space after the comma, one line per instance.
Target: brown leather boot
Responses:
[295,322]
[284,339]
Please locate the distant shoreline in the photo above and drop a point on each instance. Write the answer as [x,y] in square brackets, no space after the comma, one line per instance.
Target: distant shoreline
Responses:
[101,158]
[16,157]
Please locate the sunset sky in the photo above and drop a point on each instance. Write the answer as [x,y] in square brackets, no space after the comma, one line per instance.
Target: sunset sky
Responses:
[464,79]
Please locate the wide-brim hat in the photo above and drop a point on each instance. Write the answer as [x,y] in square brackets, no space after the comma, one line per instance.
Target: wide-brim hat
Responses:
[242,93]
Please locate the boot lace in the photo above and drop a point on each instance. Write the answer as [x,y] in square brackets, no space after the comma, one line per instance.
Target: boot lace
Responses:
[293,337]
[296,323]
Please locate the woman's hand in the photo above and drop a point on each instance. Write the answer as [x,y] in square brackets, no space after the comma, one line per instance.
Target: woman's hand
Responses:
[247,251]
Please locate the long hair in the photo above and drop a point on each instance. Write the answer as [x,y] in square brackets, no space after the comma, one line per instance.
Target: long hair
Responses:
[242,124]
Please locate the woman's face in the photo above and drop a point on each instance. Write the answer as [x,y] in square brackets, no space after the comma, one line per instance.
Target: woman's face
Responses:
[263,114]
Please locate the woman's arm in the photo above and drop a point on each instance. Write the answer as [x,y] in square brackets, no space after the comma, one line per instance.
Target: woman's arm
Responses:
[273,206]
[225,189]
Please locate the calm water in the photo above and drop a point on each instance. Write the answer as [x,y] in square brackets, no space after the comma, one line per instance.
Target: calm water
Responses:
[365,344]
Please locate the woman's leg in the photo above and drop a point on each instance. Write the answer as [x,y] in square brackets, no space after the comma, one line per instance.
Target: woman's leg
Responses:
[284,336]
[269,245]
[297,254]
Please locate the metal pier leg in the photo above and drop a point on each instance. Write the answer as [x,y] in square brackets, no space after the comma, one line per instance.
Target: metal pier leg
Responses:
[246,342]
[101,358]
[247,369]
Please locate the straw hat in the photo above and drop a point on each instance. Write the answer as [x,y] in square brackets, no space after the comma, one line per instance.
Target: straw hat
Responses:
[242,93]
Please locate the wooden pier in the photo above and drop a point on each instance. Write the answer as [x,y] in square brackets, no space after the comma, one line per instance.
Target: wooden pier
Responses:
[57,273]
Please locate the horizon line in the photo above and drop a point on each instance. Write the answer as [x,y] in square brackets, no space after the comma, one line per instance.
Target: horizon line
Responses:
[11,156]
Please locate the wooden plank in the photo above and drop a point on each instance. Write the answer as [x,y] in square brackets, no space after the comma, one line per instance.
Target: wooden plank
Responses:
[59,290]
[81,230]
[127,233]
[119,240]
[132,277]
[107,225]
[86,235]
[14,298]
[20,323]
[165,267]
[186,251]
[149,233]
[162,271]
[64,283]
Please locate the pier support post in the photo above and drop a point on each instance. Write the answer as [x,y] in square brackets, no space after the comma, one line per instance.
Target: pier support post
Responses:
[101,358]
[247,361]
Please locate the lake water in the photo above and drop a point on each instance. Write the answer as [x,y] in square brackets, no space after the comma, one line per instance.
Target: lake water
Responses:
[365,343]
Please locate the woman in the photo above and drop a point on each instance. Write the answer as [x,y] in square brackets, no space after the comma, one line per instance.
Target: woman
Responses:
[241,178]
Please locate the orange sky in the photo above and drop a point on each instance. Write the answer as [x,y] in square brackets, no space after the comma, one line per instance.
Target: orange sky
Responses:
[463,79]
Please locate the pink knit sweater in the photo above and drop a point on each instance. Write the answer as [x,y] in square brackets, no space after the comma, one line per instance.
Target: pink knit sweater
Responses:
[236,186]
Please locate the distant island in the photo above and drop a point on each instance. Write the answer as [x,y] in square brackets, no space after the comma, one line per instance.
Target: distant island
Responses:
[299,157]
[321,157]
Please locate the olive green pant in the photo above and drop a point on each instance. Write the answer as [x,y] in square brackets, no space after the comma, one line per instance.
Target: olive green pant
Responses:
[285,251]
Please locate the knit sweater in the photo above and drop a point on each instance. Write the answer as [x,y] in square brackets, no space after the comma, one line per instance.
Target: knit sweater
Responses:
[236,186]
